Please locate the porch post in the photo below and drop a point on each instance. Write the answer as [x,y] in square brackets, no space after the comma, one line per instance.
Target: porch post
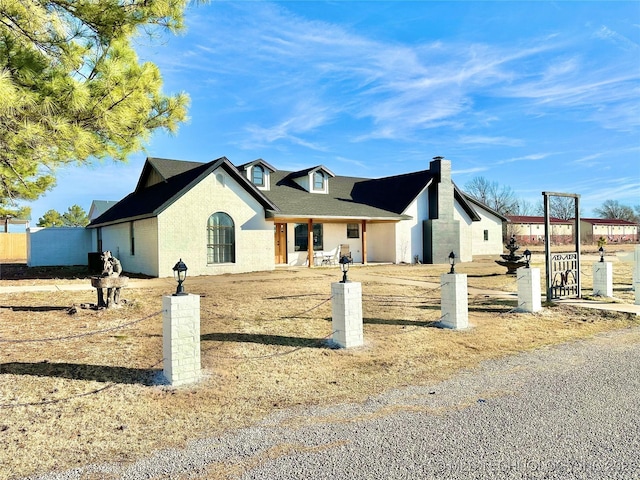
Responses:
[364,242]
[310,241]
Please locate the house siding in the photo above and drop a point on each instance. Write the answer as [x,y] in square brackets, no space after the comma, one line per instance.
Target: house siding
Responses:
[493,225]
[116,239]
[466,235]
[409,233]
[218,192]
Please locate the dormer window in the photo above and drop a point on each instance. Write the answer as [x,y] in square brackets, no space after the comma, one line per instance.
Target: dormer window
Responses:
[258,175]
[318,181]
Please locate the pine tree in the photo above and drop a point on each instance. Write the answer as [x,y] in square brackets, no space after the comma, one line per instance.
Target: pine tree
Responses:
[51,218]
[75,216]
[72,88]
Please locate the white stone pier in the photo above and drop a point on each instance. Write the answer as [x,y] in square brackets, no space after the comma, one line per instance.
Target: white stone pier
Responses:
[181,339]
[346,314]
[529,291]
[603,279]
[454,302]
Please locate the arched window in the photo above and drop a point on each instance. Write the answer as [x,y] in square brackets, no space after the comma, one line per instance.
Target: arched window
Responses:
[258,175]
[221,244]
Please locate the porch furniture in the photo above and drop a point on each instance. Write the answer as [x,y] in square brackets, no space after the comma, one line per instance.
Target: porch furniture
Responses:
[345,251]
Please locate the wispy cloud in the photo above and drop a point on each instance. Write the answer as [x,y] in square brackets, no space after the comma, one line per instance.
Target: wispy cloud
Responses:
[466,171]
[487,140]
[270,57]
[605,33]
[526,158]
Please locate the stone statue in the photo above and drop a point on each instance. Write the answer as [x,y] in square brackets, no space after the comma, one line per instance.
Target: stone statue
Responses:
[111,266]
[110,279]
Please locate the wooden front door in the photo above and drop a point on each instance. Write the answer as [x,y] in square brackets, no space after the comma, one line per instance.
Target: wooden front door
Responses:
[280,239]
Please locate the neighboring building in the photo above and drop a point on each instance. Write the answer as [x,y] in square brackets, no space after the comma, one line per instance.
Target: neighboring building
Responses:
[98,207]
[219,218]
[613,230]
[529,230]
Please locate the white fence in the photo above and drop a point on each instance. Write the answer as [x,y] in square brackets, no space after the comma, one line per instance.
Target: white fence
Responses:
[58,246]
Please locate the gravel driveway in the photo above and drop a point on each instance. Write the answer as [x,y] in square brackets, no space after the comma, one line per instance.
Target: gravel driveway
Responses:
[565,412]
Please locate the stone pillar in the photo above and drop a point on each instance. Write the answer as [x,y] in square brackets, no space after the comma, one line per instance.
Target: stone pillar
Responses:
[636,274]
[603,279]
[529,292]
[346,314]
[454,302]
[181,338]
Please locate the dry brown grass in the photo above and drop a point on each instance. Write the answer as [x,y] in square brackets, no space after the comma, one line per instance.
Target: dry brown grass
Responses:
[263,343]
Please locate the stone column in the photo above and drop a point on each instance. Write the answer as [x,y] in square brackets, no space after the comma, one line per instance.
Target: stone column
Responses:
[636,274]
[346,314]
[181,338]
[603,279]
[529,292]
[454,302]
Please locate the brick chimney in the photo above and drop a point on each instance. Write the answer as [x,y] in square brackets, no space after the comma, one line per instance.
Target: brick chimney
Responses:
[441,191]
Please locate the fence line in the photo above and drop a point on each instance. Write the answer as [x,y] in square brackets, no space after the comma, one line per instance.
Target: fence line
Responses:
[79,335]
[278,354]
[309,309]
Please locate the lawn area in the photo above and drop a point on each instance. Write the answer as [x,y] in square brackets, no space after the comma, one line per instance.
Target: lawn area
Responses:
[84,398]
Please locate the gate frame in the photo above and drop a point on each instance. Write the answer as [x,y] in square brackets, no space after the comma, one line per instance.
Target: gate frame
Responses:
[547,239]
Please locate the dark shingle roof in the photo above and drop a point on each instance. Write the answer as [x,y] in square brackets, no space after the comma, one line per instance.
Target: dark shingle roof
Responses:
[348,196]
[150,201]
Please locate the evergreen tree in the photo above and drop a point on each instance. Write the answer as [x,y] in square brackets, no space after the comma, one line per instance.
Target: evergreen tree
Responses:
[72,88]
[75,216]
[51,218]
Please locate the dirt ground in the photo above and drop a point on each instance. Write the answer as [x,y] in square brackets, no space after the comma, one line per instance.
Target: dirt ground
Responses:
[88,389]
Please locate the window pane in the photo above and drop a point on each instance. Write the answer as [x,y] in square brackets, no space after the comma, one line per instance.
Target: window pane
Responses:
[353,230]
[318,181]
[302,237]
[220,239]
[258,175]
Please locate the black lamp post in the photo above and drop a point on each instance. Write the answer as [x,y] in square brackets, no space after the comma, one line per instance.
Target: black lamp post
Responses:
[344,266]
[527,257]
[452,262]
[180,273]
[601,250]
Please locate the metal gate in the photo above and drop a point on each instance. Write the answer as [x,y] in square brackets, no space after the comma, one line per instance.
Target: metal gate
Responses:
[562,269]
[565,275]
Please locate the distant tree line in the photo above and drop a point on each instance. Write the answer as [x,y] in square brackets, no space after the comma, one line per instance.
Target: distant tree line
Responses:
[504,200]
[75,216]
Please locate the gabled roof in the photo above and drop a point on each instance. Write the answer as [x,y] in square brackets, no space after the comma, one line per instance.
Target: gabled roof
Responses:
[258,161]
[163,181]
[305,172]
[162,169]
[146,202]
[98,207]
[383,198]
[466,200]
[534,219]
[607,221]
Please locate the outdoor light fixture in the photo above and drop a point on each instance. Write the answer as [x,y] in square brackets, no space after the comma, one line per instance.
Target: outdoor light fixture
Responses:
[452,261]
[344,266]
[527,257]
[180,273]
[601,250]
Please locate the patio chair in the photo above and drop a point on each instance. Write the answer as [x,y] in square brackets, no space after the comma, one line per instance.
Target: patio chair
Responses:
[345,251]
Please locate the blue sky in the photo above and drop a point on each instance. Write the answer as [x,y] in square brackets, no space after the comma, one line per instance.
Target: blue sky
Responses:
[537,96]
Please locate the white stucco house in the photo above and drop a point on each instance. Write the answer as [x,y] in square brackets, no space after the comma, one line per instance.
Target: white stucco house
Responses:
[221,218]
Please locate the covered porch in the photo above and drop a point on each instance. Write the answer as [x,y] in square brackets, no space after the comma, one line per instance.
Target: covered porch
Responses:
[320,241]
